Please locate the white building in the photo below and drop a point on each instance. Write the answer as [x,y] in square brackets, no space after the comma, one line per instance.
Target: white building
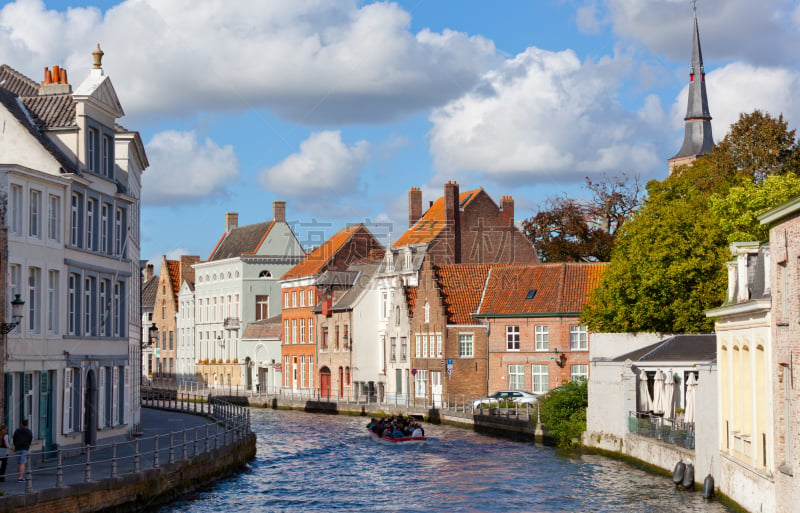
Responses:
[186,350]
[72,176]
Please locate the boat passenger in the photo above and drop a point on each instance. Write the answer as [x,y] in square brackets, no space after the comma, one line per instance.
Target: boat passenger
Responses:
[397,433]
[417,433]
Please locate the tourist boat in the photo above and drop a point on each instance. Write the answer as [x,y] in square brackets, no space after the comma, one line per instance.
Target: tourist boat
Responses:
[385,440]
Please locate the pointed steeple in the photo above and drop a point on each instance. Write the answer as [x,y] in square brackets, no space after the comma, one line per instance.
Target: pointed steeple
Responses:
[697,138]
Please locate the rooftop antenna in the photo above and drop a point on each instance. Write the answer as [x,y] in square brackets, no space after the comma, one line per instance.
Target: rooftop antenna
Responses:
[694,6]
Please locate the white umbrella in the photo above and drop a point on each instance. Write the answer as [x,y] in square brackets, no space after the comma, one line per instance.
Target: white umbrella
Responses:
[669,395]
[691,386]
[658,393]
[644,394]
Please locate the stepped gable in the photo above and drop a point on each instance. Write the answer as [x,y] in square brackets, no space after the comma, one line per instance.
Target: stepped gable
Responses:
[432,222]
[560,288]
[242,240]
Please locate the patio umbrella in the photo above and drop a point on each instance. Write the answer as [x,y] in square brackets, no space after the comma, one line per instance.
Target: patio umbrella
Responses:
[691,386]
[658,393]
[645,402]
[669,395]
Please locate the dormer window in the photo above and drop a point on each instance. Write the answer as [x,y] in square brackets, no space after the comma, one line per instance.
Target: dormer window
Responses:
[108,160]
[408,260]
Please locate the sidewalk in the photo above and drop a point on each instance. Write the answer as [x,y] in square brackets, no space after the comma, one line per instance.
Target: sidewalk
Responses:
[154,422]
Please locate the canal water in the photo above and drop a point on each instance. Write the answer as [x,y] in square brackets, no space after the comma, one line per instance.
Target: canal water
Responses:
[308,462]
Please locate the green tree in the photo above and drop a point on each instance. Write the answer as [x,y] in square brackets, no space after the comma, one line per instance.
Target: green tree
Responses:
[668,263]
[563,412]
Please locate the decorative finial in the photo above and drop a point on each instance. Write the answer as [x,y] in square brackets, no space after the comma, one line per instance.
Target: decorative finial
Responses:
[98,57]
[694,6]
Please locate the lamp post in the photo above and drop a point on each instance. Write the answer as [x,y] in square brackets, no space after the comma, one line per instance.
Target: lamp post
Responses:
[17,307]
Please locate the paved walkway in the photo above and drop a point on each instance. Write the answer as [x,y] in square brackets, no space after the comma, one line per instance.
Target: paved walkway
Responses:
[154,422]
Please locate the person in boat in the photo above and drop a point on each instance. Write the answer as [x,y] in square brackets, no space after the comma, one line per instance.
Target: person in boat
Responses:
[398,433]
[417,433]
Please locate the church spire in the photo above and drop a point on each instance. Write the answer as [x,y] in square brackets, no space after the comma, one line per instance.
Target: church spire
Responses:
[697,138]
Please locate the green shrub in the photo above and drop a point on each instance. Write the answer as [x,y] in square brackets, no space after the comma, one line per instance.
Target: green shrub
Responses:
[563,412]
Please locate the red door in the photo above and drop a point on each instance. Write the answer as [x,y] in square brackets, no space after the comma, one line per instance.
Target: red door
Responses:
[325,383]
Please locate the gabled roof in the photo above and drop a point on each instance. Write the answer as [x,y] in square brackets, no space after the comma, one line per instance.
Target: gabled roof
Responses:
[317,261]
[461,288]
[432,222]
[679,348]
[17,83]
[51,110]
[241,240]
[149,290]
[539,289]
[361,282]
[265,328]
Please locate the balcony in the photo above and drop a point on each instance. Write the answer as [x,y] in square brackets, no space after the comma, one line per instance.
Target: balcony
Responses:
[231,323]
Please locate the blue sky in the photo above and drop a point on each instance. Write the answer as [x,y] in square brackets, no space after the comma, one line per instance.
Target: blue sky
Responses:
[339,107]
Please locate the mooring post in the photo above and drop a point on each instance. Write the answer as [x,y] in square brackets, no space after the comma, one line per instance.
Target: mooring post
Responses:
[59,471]
[136,463]
[156,464]
[113,460]
[88,476]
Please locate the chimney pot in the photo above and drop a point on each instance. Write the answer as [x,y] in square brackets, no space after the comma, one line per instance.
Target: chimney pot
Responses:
[56,74]
[48,76]
[414,206]
[64,76]
[279,211]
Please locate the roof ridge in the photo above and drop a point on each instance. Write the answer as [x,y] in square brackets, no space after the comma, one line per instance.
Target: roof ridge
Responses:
[483,292]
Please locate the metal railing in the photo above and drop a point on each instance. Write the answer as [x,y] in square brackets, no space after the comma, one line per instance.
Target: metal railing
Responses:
[61,467]
[673,431]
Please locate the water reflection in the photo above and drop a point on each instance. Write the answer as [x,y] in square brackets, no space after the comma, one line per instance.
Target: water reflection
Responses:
[322,463]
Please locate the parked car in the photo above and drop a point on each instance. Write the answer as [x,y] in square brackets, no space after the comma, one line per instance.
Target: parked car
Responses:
[519,397]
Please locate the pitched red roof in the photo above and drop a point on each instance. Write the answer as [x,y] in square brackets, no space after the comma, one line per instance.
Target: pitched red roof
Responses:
[461,287]
[432,222]
[174,270]
[552,288]
[316,261]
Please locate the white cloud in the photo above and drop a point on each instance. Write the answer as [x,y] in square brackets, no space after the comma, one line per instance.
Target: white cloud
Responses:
[759,32]
[741,88]
[545,116]
[184,169]
[312,61]
[325,167]
[587,18]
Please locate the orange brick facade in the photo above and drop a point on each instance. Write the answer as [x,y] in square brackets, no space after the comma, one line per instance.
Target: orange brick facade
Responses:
[299,337]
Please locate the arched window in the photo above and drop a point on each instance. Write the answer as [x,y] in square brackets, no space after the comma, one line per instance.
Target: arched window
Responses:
[265,274]
[347,376]
[427,312]
[397,315]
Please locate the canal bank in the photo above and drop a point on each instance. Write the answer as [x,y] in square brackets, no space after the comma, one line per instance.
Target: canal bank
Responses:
[177,452]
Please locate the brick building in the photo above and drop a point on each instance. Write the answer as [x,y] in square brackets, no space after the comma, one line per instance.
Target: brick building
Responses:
[301,292]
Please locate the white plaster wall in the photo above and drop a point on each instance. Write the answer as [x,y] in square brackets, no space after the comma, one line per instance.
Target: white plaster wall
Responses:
[366,351]
[749,489]
[612,394]
[611,345]
[707,424]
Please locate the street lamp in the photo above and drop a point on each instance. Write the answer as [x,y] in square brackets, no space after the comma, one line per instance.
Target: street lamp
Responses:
[17,306]
[152,333]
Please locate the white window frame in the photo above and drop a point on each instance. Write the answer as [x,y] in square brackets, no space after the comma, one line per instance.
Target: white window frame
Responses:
[418,347]
[15,209]
[52,301]
[35,213]
[542,337]
[578,337]
[512,338]
[33,301]
[516,377]
[54,218]
[578,371]
[421,383]
[466,345]
[540,378]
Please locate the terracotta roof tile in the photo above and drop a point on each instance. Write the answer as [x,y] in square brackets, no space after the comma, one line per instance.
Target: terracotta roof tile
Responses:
[174,270]
[555,288]
[461,288]
[411,299]
[241,240]
[432,222]
[317,261]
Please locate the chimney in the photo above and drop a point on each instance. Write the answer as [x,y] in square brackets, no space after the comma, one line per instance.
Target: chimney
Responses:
[452,220]
[414,206]
[148,272]
[279,211]
[55,82]
[231,221]
[186,269]
[507,210]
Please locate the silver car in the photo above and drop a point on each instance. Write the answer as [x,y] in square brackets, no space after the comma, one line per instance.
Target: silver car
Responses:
[518,397]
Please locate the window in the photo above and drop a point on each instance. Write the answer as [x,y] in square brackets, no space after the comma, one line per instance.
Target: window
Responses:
[171,336]
[516,377]
[294,299]
[310,298]
[384,305]
[439,345]
[54,218]
[542,337]
[105,226]
[89,310]
[303,299]
[34,310]
[286,300]
[578,338]
[15,207]
[91,150]
[72,305]
[119,234]
[325,338]
[52,302]
[346,336]
[465,345]
[424,346]
[302,331]
[420,383]
[35,214]
[294,331]
[393,350]
[403,349]
[397,315]
[107,156]
[119,318]
[580,371]
[286,332]
[541,379]
[336,338]
[427,309]
[418,351]
[91,224]
[512,338]
[311,330]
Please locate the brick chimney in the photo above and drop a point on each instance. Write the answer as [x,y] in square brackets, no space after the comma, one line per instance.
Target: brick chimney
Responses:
[148,272]
[55,82]
[452,220]
[414,205]
[507,210]
[186,269]
[279,211]
[231,221]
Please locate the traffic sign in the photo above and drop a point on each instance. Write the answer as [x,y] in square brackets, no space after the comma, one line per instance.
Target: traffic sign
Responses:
[441,362]
[413,372]
[449,370]
[449,361]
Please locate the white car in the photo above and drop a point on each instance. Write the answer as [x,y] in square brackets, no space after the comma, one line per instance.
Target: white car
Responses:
[518,397]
